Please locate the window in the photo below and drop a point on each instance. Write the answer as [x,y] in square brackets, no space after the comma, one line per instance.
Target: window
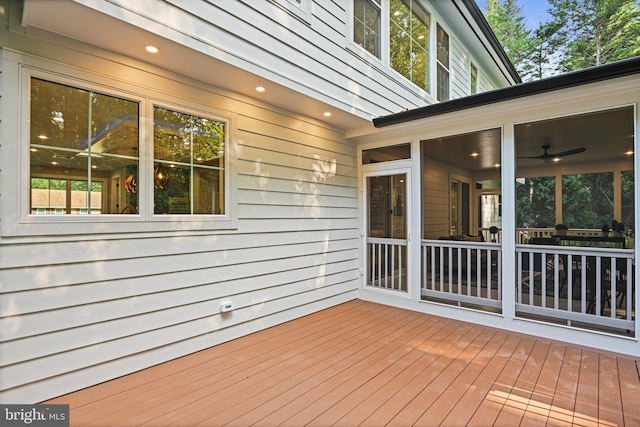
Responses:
[409,41]
[188,163]
[386,154]
[83,149]
[443,64]
[366,25]
[474,79]
[84,159]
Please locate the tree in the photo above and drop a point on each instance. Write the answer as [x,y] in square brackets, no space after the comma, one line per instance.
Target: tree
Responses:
[508,23]
[594,32]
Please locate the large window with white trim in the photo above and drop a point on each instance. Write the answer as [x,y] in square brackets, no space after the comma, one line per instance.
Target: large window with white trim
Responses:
[87,155]
[409,41]
[84,149]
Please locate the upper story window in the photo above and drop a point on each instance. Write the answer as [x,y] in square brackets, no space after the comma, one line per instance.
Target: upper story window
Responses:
[409,41]
[83,147]
[442,41]
[84,156]
[473,78]
[366,25]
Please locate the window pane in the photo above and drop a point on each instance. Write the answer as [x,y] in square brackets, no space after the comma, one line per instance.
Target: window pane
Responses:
[443,47]
[48,195]
[386,154]
[80,136]
[443,64]
[474,79]
[409,41]
[443,84]
[189,163]
[366,25]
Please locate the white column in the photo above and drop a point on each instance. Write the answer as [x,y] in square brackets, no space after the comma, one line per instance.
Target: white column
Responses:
[508,221]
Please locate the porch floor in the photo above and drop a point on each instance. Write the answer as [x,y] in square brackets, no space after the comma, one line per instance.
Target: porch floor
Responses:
[370,364]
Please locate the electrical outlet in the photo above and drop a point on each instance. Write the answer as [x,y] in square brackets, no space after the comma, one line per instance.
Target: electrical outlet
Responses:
[226,306]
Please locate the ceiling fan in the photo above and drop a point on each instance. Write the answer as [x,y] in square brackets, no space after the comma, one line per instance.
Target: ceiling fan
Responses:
[546,156]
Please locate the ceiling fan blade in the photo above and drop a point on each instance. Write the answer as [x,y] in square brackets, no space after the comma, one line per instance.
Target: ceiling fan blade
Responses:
[569,152]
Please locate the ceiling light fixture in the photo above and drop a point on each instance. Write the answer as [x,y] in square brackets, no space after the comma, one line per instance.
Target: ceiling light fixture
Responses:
[629,153]
[474,154]
[151,49]
[260,89]
[556,159]
[327,114]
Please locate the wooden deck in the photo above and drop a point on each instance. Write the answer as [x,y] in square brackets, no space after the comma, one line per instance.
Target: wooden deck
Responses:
[367,364]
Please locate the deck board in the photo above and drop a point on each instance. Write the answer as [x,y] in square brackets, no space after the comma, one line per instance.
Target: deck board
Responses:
[362,363]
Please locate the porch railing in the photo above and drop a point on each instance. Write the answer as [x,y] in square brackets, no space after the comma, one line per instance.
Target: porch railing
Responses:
[462,272]
[592,286]
[387,263]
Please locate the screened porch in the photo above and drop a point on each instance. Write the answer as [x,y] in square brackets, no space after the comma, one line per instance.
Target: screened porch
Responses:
[574,213]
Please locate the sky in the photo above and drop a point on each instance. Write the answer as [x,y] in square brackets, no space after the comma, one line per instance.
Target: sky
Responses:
[534,11]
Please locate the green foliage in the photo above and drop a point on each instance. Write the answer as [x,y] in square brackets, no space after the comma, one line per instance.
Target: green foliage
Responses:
[508,24]
[580,34]
[409,41]
[595,32]
[536,202]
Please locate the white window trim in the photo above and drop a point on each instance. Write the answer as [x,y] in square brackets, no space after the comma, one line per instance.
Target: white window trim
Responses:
[437,63]
[301,10]
[360,51]
[17,219]
[149,170]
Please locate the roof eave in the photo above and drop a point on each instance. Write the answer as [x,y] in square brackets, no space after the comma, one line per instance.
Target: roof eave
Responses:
[486,30]
[577,78]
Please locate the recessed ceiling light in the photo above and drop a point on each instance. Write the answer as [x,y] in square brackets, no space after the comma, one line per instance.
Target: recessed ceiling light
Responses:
[629,153]
[474,154]
[327,114]
[497,165]
[43,137]
[260,89]
[151,49]
[556,159]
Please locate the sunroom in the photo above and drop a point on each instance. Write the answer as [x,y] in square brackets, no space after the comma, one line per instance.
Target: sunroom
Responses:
[525,203]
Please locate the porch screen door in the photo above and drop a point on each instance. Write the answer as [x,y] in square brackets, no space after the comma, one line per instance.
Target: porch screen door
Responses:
[387,223]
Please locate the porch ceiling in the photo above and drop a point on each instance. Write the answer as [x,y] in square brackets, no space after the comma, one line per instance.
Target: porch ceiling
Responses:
[607,136]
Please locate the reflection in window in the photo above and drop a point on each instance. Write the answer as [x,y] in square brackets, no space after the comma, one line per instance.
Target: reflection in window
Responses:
[366,25]
[188,172]
[83,149]
[473,78]
[443,64]
[409,41]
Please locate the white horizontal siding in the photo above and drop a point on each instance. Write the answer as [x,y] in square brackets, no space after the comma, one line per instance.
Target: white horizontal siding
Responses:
[78,310]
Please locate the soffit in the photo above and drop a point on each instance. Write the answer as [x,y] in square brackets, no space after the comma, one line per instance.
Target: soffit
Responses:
[79,22]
